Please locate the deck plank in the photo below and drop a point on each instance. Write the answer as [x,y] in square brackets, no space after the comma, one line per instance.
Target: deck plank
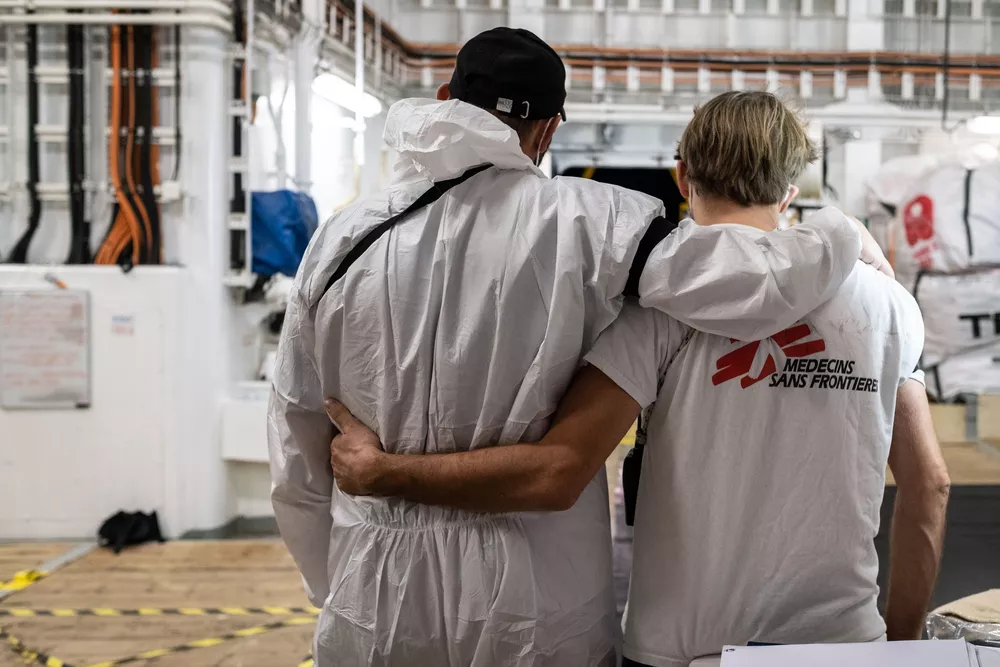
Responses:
[182,574]
[18,556]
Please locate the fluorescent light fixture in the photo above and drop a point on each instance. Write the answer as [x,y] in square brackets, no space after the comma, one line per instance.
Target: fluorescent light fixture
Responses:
[984,125]
[334,89]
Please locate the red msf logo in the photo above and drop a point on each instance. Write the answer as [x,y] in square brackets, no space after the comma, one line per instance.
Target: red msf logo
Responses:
[918,220]
[739,361]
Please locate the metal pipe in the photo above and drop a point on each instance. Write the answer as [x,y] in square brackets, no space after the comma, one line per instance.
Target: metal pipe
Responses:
[248,144]
[359,80]
[63,18]
[214,6]
[304,73]
[378,52]
[12,88]
[945,62]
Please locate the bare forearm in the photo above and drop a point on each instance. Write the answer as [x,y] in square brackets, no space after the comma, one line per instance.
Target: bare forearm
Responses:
[513,478]
[915,556]
[548,475]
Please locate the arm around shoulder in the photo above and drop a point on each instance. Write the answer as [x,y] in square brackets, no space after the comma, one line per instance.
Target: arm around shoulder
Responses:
[725,281]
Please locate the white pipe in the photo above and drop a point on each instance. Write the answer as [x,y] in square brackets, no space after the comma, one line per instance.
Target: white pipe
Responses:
[359,80]
[12,90]
[280,159]
[214,6]
[304,73]
[248,136]
[378,52]
[200,20]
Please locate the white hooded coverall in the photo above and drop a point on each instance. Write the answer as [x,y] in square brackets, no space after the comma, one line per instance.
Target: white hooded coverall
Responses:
[460,328]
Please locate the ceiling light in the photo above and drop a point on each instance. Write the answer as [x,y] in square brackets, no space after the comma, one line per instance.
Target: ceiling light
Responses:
[984,125]
[334,89]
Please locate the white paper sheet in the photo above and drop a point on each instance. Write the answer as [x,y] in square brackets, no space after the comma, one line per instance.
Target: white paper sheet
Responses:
[44,349]
[988,657]
[950,653]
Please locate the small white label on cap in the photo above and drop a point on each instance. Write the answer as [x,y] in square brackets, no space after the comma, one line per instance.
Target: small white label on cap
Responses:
[504,105]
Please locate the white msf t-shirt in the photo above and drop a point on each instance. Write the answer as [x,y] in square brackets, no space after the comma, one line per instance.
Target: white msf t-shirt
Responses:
[763,472]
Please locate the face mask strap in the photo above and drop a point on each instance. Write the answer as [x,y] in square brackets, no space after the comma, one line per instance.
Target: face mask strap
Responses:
[538,151]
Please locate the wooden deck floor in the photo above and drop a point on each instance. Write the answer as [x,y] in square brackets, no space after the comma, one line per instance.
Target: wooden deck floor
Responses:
[176,575]
[230,574]
[969,464]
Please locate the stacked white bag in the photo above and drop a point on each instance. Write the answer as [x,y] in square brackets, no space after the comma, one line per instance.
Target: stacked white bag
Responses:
[944,238]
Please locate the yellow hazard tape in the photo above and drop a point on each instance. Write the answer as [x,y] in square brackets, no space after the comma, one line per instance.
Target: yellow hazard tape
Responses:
[22,580]
[31,612]
[205,643]
[27,654]
[37,657]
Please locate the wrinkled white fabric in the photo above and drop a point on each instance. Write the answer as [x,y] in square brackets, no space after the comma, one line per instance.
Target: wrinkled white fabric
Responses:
[963,331]
[461,328]
[938,228]
[761,489]
[947,240]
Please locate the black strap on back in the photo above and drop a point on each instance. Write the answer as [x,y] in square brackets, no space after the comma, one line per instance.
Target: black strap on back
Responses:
[657,231]
[426,199]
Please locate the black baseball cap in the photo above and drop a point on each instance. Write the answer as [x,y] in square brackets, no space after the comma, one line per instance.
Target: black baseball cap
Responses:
[512,71]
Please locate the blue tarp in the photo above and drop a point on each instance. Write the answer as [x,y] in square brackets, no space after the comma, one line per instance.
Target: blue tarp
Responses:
[282,224]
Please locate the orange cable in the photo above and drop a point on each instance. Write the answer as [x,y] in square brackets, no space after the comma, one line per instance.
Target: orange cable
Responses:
[154,153]
[114,141]
[138,249]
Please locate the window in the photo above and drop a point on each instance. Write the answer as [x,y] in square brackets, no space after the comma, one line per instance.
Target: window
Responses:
[961,9]
[929,7]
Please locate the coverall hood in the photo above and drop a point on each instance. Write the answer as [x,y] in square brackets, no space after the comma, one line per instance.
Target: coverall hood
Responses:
[441,139]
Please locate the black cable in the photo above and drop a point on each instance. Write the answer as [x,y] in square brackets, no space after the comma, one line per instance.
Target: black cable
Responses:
[825,169]
[144,132]
[945,63]
[177,101]
[19,255]
[238,204]
[79,250]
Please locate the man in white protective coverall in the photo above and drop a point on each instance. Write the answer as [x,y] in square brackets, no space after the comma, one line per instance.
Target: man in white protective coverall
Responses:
[765,462]
[450,312]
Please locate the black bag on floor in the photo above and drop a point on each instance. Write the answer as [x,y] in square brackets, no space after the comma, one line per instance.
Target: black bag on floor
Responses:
[126,529]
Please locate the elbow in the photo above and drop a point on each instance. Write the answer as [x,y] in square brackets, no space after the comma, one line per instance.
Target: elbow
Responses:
[942,486]
[938,483]
[934,488]
[561,488]
[559,500]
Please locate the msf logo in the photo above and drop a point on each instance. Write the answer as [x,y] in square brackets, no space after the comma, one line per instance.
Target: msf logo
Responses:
[918,221]
[737,363]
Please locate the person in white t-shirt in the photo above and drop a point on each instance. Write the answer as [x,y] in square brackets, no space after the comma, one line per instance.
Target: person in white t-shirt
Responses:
[765,464]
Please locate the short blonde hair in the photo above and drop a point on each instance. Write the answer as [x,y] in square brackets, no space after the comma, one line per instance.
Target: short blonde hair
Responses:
[747,147]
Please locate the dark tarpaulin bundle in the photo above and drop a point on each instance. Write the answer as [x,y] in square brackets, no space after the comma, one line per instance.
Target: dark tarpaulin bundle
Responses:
[125,529]
[282,224]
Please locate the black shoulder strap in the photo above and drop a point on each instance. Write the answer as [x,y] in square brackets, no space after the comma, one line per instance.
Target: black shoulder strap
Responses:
[426,199]
[657,231]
